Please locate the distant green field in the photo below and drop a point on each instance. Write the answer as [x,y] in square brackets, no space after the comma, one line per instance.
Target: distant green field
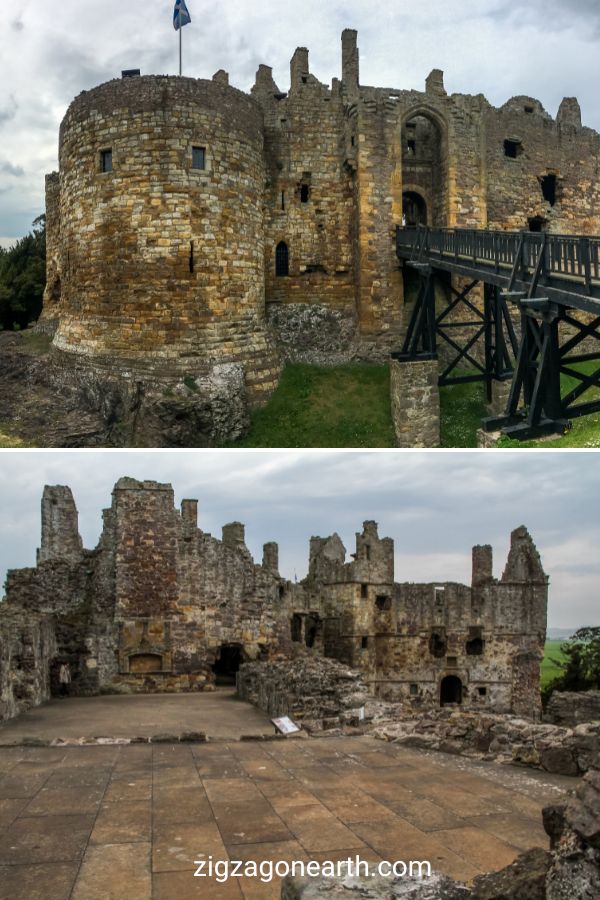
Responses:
[549,671]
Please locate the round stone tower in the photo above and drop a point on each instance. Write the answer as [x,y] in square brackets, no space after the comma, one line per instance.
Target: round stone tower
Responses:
[161,252]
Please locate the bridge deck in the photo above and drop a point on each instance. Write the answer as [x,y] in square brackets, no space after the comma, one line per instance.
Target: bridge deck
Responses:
[566,268]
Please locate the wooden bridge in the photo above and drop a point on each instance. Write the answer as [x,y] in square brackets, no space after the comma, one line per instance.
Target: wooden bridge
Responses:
[551,282]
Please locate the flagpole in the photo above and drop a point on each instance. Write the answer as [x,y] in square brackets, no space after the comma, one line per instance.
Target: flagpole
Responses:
[180,41]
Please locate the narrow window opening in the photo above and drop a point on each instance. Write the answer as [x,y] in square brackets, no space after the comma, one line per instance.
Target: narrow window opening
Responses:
[364,591]
[281,591]
[198,157]
[304,193]
[482,691]
[438,644]
[414,690]
[548,185]
[283,199]
[282,259]
[368,551]
[296,628]
[106,164]
[364,643]
[352,140]
[304,79]
[512,149]
[383,602]
[192,257]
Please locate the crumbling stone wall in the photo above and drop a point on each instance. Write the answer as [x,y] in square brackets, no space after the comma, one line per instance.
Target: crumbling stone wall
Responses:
[27,647]
[161,605]
[573,708]
[315,692]
[419,643]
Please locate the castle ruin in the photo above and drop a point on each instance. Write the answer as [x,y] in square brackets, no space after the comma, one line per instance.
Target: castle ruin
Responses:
[160,605]
[198,237]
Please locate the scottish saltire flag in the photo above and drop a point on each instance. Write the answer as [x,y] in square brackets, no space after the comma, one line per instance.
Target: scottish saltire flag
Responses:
[181,15]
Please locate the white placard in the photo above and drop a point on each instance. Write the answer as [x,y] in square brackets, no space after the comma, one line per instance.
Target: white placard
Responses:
[285,725]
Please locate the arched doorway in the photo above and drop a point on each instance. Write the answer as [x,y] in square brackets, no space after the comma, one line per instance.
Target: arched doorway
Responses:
[414,209]
[227,663]
[424,168]
[450,690]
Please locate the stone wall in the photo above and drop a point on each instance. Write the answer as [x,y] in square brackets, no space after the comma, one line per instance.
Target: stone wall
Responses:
[415,400]
[316,693]
[505,738]
[162,263]
[27,648]
[572,708]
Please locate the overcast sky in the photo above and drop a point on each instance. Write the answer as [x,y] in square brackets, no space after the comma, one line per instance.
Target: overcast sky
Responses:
[434,505]
[50,51]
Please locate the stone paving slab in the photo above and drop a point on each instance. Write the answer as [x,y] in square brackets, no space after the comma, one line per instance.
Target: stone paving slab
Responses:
[220,714]
[84,823]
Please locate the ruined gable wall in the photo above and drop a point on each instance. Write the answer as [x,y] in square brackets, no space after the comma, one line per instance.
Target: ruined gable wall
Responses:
[182,594]
[560,147]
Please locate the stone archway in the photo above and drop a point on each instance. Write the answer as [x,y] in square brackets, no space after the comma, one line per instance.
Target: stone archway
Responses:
[425,163]
[451,690]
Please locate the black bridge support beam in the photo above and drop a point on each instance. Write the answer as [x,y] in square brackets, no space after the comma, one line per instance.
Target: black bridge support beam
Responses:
[543,278]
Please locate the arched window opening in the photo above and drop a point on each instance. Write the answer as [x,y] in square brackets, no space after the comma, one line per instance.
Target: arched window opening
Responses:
[424,170]
[282,259]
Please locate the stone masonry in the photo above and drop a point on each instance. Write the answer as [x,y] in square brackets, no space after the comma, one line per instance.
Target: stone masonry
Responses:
[160,605]
[199,236]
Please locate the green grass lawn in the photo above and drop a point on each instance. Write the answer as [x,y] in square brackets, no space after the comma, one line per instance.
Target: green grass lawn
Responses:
[549,671]
[315,406]
[349,406]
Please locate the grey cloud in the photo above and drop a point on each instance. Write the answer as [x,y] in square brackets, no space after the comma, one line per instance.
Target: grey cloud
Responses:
[17,25]
[7,168]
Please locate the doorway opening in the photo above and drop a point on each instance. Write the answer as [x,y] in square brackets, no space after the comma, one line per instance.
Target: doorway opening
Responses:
[450,690]
[414,209]
[227,663]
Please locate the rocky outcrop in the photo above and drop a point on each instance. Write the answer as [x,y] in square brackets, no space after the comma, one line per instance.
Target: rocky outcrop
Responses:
[319,693]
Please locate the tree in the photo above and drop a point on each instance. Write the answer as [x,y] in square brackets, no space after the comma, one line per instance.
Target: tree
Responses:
[22,278]
[581,666]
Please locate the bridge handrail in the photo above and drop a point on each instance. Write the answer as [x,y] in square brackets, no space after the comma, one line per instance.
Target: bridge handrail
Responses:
[570,256]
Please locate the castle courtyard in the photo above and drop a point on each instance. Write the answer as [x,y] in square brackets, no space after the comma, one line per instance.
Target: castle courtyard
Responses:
[82,822]
[218,715]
